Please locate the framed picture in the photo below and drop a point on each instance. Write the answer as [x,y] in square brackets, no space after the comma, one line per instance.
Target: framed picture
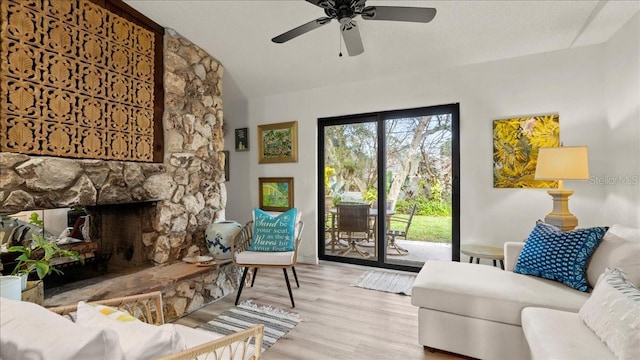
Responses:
[226,165]
[278,143]
[242,139]
[515,149]
[276,194]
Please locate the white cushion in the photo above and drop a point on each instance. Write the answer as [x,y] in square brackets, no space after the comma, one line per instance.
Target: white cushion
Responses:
[487,292]
[265,258]
[29,331]
[139,340]
[194,337]
[619,248]
[613,313]
[556,334]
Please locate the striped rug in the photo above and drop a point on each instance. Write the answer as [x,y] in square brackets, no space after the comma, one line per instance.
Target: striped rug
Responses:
[277,322]
[388,281]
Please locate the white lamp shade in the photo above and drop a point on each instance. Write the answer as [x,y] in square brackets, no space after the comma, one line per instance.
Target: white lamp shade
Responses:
[562,163]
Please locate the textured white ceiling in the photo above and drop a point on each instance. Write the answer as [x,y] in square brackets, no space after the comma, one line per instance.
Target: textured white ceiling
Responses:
[238,33]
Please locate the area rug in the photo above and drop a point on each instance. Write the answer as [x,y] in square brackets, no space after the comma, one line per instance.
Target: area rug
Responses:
[388,281]
[277,322]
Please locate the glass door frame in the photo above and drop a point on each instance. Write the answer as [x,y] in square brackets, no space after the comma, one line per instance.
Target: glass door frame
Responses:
[380,119]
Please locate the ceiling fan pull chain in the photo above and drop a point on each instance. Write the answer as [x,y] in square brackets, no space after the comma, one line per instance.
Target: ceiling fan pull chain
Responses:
[340,42]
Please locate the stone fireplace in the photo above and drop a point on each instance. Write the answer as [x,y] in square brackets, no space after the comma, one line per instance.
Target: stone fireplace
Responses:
[186,191]
[144,213]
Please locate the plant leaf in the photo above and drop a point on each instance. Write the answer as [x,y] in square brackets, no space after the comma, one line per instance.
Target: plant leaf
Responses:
[42,268]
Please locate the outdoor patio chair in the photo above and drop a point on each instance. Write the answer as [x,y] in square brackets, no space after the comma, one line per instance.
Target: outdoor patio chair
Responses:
[373,221]
[243,256]
[353,223]
[403,222]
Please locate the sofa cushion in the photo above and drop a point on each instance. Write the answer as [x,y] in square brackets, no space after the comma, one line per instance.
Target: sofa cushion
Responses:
[619,248]
[613,313]
[556,255]
[487,292]
[113,313]
[194,337]
[556,334]
[138,339]
[29,331]
[265,258]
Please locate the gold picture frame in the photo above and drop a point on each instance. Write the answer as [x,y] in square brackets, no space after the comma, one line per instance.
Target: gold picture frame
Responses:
[275,194]
[278,143]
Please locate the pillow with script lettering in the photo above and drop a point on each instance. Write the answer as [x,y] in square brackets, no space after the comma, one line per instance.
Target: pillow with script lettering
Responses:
[273,233]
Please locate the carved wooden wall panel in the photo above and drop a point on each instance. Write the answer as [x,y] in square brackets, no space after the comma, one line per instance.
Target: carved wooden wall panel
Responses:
[77,81]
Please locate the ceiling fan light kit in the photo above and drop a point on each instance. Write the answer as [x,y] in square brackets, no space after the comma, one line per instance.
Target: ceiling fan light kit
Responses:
[344,11]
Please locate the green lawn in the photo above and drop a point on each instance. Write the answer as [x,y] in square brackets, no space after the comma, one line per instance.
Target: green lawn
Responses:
[430,228]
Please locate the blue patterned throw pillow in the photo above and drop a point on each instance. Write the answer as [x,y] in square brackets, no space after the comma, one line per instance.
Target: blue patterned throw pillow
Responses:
[562,256]
[273,233]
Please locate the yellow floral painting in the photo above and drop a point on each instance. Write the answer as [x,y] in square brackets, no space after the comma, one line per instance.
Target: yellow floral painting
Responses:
[515,149]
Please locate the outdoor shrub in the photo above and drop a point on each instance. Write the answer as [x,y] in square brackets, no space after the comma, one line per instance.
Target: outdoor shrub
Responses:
[435,208]
[425,207]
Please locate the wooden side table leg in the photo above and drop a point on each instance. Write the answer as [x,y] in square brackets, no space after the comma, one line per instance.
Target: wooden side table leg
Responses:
[477,260]
[470,259]
[502,264]
[494,263]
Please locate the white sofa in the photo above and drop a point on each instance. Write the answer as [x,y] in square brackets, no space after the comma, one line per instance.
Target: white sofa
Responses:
[477,310]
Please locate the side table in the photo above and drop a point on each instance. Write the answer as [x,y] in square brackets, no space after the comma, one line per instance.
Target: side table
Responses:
[484,252]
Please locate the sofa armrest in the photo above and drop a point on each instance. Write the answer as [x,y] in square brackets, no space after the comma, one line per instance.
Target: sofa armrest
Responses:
[511,252]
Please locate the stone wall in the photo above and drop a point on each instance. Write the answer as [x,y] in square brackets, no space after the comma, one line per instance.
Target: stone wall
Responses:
[40,182]
[193,148]
[191,294]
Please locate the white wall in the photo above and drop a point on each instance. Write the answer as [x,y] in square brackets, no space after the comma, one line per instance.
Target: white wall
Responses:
[568,82]
[622,104]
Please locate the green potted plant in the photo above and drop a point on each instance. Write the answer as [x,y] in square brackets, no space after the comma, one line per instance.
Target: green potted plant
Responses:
[38,256]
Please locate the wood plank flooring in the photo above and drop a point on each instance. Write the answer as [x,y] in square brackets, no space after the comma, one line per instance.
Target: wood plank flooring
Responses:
[339,321]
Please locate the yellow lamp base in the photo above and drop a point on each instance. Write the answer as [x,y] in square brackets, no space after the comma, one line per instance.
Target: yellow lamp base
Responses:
[560,216]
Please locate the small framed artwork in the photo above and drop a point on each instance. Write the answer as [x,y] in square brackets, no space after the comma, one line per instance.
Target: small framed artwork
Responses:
[275,194]
[515,149]
[242,139]
[226,165]
[278,143]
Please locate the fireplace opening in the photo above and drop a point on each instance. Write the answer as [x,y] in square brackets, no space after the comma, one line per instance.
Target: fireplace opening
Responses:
[108,239]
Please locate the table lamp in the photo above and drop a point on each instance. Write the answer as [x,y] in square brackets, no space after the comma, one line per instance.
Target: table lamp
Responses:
[562,163]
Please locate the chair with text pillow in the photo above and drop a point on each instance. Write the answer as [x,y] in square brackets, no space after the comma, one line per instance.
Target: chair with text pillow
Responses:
[271,240]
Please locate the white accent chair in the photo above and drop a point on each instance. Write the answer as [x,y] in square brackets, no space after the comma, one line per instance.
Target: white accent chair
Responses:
[243,257]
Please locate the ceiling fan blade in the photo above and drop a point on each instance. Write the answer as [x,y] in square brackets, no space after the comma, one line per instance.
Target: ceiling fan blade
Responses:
[325,4]
[399,13]
[352,40]
[311,25]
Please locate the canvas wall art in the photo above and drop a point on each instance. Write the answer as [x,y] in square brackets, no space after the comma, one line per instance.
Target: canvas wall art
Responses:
[515,149]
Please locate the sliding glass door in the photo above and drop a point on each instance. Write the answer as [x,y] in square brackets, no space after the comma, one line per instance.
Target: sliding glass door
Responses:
[389,187]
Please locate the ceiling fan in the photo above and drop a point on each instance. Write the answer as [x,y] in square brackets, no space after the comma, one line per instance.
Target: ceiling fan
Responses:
[346,10]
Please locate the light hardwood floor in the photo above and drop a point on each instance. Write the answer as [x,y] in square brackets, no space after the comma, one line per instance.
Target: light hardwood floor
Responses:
[339,321]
